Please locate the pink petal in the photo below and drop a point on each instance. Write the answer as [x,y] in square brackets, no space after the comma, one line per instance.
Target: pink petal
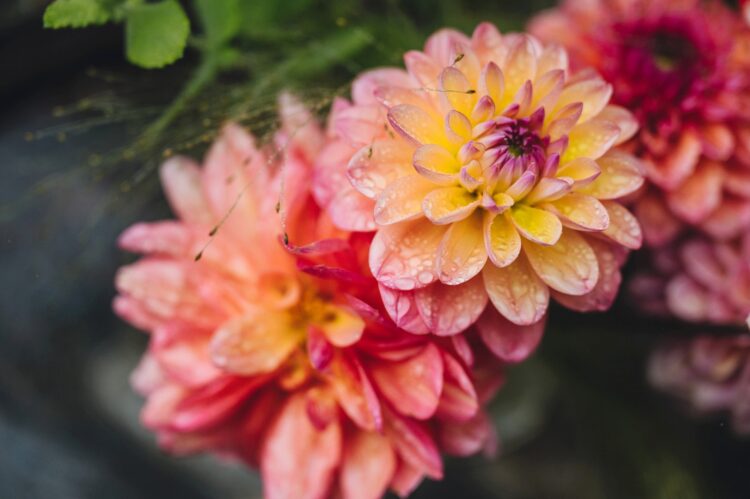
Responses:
[360,125]
[167,238]
[376,166]
[516,292]
[406,479]
[440,45]
[415,445]
[181,179]
[402,200]
[402,256]
[297,460]
[355,393]
[350,210]
[402,309]
[468,437]
[659,225]
[700,194]
[730,219]
[367,466]
[366,84]
[718,141]
[679,164]
[412,386]
[458,401]
[449,310]
[508,341]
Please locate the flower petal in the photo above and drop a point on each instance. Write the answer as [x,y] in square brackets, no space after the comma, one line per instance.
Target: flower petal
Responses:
[583,171]
[415,445]
[257,343]
[623,226]
[350,210]
[181,179]
[501,239]
[402,309]
[519,67]
[342,326]
[593,93]
[402,200]
[462,254]
[458,401]
[509,342]
[536,224]
[447,205]
[297,459]
[679,164]
[435,163]
[467,438]
[355,392]
[516,292]
[621,174]
[569,266]
[457,91]
[623,118]
[449,310]
[373,167]
[402,256]
[412,386]
[700,194]
[581,212]
[590,140]
[416,125]
[367,466]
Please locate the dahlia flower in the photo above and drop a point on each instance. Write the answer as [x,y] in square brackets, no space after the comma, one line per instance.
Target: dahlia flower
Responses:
[273,347]
[710,374]
[487,174]
[697,280]
[682,68]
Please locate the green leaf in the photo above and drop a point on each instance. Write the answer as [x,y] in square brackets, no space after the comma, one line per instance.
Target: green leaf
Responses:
[75,14]
[220,19]
[156,33]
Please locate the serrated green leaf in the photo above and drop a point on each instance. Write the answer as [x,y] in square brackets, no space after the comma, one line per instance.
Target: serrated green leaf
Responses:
[75,14]
[156,33]
[220,19]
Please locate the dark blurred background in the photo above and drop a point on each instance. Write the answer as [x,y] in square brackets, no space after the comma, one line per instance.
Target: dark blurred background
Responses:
[577,421]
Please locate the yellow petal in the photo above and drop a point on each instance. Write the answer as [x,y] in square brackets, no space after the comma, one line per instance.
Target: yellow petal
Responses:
[623,226]
[623,119]
[519,68]
[457,90]
[501,239]
[536,224]
[593,93]
[341,326]
[462,254]
[582,212]
[620,175]
[449,204]
[416,124]
[570,266]
[516,292]
[435,163]
[402,200]
[257,343]
[590,140]
[583,171]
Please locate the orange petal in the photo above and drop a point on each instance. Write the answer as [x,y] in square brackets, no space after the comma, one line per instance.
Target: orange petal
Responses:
[623,118]
[412,386]
[449,204]
[582,212]
[679,164]
[700,194]
[297,459]
[375,166]
[257,343]
[342,326]
[462,254]
[516,292]
[594,94]
[590,140]
[402,200]
[402,256]
[569,266]
[536,224]
[367,466]
[355,392]
[621,174]
[458,401]
[501,239]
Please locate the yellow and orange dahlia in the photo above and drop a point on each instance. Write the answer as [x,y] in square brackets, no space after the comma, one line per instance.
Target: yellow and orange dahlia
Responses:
[489,173]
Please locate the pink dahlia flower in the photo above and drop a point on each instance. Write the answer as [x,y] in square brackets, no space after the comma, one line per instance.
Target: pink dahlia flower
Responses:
[281,354]
[683,68]
[698,280]
[710,374]
[488,175]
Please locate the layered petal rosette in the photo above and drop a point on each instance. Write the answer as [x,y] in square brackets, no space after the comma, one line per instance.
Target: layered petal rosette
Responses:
[697,280]
[683,68]
[274,347]
[710,374]
[489,175]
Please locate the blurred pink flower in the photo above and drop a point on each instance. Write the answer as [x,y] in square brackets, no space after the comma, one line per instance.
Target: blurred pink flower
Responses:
[709,373]
[697,280]
[682,67]
[488,175]
[281,354]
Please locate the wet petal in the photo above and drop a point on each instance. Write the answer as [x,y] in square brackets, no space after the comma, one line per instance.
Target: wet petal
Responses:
[536,224]
[402,200]
[462,254]
[583,171]
[594,94]
[415,445]
[501,239]
[623,226]
[590,140]
[519,68]
[582,212]
[623,118]
[257,343]
[402,309]
[569,266]
[516,292]
[448,310]
[621,174]
[416,124]
[509,342]
[548,189]
[435,163]
[412,386]
[458,401]
[449,204]
[342,326]
[402,256]
[457,90]
[350,210]
[375,166]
